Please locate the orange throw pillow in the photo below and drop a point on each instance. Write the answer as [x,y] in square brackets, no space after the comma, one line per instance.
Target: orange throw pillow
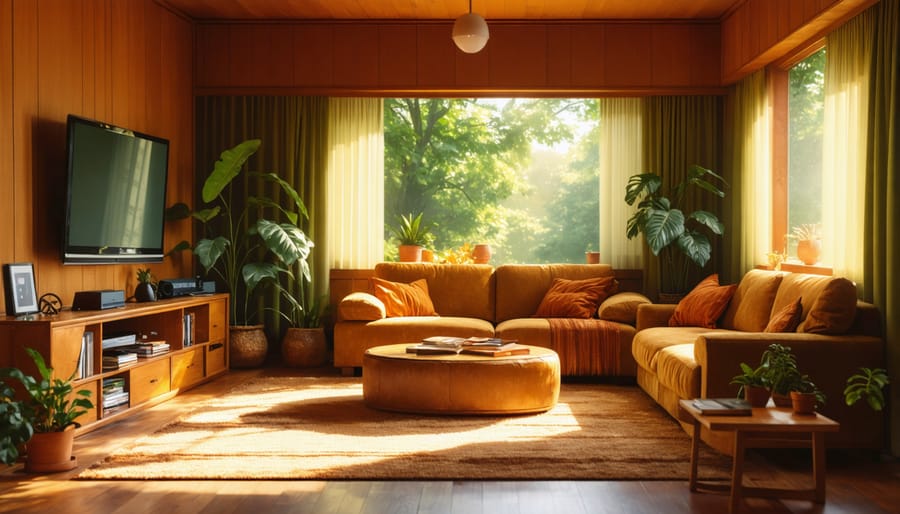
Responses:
[401,299]
[575,298]
[787,319]
[703,306]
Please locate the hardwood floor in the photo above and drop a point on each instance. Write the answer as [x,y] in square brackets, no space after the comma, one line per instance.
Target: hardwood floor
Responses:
[856,483]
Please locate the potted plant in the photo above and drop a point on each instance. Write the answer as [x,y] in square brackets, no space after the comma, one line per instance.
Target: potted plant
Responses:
[591,256]
[411,236]
[781,372]
[145,290]
[869,384]
[241,243]
[806,396]
[754,386]
[677,238]
[809,243]
[50,410]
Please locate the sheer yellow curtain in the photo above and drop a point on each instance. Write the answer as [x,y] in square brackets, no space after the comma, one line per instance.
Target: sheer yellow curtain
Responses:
[748,209]
[849,54]
[355,188]
[620,157]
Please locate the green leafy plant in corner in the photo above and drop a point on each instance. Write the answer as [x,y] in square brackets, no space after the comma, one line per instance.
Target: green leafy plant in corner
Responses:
[678,238]
[412,231]
[243,247]
[869,383]
[49,406]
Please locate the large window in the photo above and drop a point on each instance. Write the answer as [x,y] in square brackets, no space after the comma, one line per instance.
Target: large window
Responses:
[518,174]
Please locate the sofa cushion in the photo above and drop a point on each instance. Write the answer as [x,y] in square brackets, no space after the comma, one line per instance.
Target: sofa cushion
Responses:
[703,306]
[678,371]
[521,287]
[401,299]
[360,306]
[833,311]
[575,298]
[463,290]
[787,319]
[751,304]
[622,307]
[646,344]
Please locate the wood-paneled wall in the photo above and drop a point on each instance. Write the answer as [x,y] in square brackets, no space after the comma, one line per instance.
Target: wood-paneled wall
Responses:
[760,32]
[128,63]
[544,58]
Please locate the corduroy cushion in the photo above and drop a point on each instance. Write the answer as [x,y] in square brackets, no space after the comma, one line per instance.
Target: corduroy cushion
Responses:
[404,299]
[833,311]
[703,306]
[622,307]
[751,305]
[575,298]
[787,319]
[360,306]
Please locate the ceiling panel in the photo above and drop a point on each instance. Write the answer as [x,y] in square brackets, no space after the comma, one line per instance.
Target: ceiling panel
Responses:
[450,9]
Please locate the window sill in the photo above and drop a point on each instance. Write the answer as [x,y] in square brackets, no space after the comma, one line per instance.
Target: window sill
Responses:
[799,267]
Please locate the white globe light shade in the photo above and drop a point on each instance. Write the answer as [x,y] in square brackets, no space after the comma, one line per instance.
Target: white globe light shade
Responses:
[470,33]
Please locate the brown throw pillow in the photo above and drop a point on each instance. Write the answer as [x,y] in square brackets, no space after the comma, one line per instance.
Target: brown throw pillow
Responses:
[703,306]
[361,306]
[622,307]
[787,319]
[401,299]
[575,298]
[834,310]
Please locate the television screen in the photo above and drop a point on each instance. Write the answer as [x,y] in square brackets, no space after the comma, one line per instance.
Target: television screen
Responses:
[116,194]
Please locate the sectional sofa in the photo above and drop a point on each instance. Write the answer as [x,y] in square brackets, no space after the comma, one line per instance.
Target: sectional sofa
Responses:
[479,300]
[834,335]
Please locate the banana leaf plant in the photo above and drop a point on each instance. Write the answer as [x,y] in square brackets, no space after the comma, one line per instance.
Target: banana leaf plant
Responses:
[679,238]
[243,247]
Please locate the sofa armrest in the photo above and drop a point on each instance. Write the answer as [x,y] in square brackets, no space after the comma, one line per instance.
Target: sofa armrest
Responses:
[828,360]
[651,315]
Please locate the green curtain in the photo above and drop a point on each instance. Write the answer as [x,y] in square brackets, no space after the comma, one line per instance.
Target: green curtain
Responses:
[679,131]
[882,244]
[293,134]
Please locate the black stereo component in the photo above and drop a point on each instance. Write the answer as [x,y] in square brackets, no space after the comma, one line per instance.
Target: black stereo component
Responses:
[178,287]
[98,300]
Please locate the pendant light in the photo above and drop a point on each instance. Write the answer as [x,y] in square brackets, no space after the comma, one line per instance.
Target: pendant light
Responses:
[470,32]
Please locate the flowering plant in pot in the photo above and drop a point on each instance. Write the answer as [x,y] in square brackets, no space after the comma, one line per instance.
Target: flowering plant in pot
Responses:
[51,408]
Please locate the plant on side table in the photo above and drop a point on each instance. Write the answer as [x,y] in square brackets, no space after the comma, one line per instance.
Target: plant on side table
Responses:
[50,410]
[806,397]
[781,372]
[754,386]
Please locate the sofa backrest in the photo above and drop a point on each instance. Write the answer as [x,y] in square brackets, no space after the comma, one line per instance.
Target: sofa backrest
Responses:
[521,287]
[465,290]
[751,306]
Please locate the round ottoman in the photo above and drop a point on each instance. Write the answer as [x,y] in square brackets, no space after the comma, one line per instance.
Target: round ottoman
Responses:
[460,384]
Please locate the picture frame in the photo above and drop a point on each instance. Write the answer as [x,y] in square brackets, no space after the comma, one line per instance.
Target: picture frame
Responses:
[18,287]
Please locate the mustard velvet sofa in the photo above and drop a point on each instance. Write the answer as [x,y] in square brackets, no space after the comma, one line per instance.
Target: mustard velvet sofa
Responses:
[675,363]
[479,300]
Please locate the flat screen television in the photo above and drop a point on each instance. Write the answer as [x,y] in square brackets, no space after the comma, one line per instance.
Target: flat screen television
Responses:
[116,194]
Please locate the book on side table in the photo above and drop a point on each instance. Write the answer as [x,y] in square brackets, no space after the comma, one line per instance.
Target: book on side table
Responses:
[722,406]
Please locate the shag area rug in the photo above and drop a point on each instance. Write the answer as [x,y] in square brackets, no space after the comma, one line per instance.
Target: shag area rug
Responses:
[320,428]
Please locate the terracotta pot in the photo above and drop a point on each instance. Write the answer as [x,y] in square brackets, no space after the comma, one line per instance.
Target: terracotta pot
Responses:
[592,257]
[303,347]
[803,403]
[409,253]
[49,452]
[427,255]
[248,346]
[809,250]
[481,254]
[781,400]
[758,396]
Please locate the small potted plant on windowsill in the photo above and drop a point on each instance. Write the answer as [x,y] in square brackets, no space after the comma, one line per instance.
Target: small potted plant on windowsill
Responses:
[809,243]
[50,409]
[412,235]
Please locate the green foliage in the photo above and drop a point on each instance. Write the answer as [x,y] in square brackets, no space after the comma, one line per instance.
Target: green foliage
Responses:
[457,161]
[780,365]
[804,384]
[411,231]
[144,276]
[660,218]
[750,376]
[49,404]
[244,248]
[869,384]
[15,425]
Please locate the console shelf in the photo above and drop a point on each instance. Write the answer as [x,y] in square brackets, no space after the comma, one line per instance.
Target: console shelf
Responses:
[195,327]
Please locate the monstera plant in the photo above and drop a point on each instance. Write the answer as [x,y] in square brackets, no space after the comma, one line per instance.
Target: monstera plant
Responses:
[679,238]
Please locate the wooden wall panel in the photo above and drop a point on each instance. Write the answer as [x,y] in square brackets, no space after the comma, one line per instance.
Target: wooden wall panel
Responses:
[419,58]
[213,51]
[127,63]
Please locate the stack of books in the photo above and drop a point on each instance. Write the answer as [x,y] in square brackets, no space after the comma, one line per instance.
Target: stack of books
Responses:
[489,346]
[115,397]
[115,358]
[146,348]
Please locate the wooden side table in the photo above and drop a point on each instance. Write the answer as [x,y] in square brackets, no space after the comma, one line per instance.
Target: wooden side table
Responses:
[762,430]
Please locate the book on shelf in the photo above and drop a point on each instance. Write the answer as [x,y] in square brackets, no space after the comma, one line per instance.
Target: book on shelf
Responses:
[722,406]
[148,348]
[86,357]
[189,330]
[113,358]
[497,351]
[113,385]
[115,399]
[114,339]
